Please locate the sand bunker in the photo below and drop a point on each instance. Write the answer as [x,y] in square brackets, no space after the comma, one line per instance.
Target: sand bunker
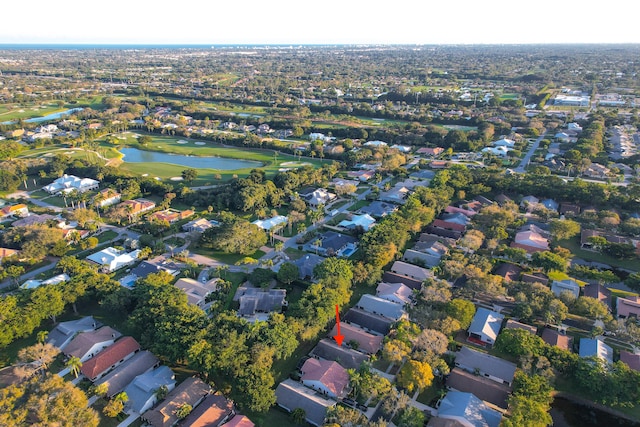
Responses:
[176,178]
[295,164]
[200,143]
[182,141]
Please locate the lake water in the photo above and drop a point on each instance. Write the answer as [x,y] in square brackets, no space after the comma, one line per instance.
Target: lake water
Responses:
[52,116]
[133,155]
[568,414]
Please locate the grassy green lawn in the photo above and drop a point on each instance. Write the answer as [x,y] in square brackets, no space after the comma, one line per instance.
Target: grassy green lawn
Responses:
[230,259]
[27,111]
[573,245]
[358,205]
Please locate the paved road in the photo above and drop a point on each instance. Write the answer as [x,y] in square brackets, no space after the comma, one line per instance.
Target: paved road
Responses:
[527,158]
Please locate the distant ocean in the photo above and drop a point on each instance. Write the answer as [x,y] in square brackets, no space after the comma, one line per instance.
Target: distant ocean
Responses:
[157,46]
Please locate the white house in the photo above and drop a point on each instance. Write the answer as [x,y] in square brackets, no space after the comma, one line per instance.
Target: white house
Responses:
[568,285]
[394,292]
[270,223]
[87,344]
[142,390]
[365,221]
[325,376]
[485,326]
[69,183]
[504,142]
[496,151]
[111,259]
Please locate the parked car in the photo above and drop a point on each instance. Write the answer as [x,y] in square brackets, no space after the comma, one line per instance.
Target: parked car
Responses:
[349,402]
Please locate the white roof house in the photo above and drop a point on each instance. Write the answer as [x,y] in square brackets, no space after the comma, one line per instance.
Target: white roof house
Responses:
[111,259]
[504,142]
[69,183]
[365,221]
[142,390]
[568,285]
[34,283]
[269,223]
[497,151]
[375,144]
[486,325]
[382,307]
[394,292]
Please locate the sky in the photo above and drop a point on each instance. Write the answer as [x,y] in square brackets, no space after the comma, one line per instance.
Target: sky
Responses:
[317,22]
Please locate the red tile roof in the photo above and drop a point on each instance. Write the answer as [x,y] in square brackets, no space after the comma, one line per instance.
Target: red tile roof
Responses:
[631,359]
[367,342]
[97,365]
[330,374]
[448,225]
[240,421]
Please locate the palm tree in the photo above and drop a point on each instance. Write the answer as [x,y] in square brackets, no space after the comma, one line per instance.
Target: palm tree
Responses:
[74,364]
[279,245]
[42,336]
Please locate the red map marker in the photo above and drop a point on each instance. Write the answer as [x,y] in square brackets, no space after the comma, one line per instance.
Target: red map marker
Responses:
[339,337]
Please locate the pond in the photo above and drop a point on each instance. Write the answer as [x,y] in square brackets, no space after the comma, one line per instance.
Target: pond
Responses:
[133,155]
[569,414]
[52,116]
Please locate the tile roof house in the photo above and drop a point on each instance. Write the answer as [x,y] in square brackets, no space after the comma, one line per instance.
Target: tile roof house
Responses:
[6,252]
[410,270]
[199,225]
[257,300]
[137,206]
[379,209]
[118,379]
[191,391]
[20,210]
[592,347]
[553,337]
[485,326]
[197,292]
[87,344]
[306,264]
[170,215]
[214,411]
[394,292]
[142,390]
[382,307]
[428,253]
[107,197]
[240,421]
[599,292]
[628,307]
[631,359]
[467,410]
[291,395]
[338,244]
[484,388]
[319,196]
[509,272]
[364,341]
[365,221]
[514,324]
[348,358]
[535,278]
[371,323]
[109,358]
[485,365]
[64,332]
[326,377]
[530,241]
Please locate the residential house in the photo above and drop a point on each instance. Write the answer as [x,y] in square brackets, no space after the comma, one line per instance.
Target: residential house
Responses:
[529,203]
[306,264]
[631,359]
[397,194]
[530,241]
[358,338]
[191,391]
[567,285]
[291,395]
[136,207]
[199,225]
[273,223]
[170,215]
[326,377]
[503,199]
[628,307]
[111,259]
[362,175]
[109,358]
[375,144]
[365,221]
[64,332]
[486,365]
[145,268]
[372,323]
[496,151]
[599,292]
[569,209]
[535,278]
[107,197]
[485,326]
[504,142]
[382,307]
[428,254]
[465,409]
[68,183]
[585,237]
[257,304]
[444,233]
[596,170]
[390,277]
[457,209]
[197,292]
[240,421]
[18,210]
[333,243]
[33,219]
[118,378]
[87,344]
[348,358]
[410,270]
[485,389]
[378,209]
[508,271]
[319,196]
[514,324]
[592,347]
[7,252]
[556,338]
[34,283]
[142,390]
[550,204]
[214,411]
[430,151]
[395,292]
